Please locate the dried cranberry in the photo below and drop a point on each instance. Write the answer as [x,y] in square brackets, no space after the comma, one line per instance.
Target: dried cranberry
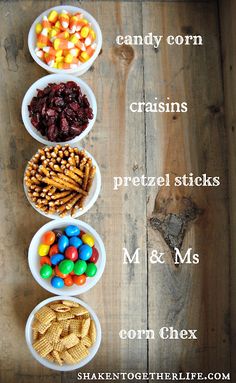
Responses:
[60,111]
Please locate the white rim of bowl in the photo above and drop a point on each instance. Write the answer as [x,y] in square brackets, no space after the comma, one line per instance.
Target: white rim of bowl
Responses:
[86,226]
[54,366]
[79,212]
[81,66]
[55,78]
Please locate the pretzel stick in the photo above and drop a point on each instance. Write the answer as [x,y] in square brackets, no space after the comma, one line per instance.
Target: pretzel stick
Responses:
[62,201]
[91,177]
[86,176]
[77,171]
[72,175]
[67,179]
[68,185]
[60,195]
[44,170]
[54,183]
[73,201]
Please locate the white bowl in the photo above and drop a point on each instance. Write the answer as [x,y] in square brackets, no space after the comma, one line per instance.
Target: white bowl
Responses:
[82,67]
[89,201]
[41,84]
[66,367]
[34,258]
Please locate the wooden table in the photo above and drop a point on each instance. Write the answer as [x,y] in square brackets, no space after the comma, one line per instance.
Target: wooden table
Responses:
[128,144]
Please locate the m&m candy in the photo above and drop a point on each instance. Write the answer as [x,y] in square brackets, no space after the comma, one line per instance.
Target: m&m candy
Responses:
[43,249]
[71,253]
[67,256]
[53,249]
[79,279]
[72,230]
[85,252]
[56,258]
[75,241]
[91,270]
[48,238]
[46,271]
[80,267]
[63,243]
[69,280]
[66,266]
[95,256]
[88,239]
[57,282]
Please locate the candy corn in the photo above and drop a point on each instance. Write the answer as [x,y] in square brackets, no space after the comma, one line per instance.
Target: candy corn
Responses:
[64,40]
[62,44]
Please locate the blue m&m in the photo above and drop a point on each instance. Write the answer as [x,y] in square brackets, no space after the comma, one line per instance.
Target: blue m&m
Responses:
[72,230]
[85,252]
[57,282]
[63,243]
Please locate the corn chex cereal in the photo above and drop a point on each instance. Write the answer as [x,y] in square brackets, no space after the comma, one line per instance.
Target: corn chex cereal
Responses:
[70,340]
[85,327]
[43,347]
[75,327]
[92,332]
[63,332]
[77,311]
[78,352]
[70,303]
[64,316]
[86,341]
[45,315]
[40,327]
[59,307]
[67,358]
[54,332]
[65,327]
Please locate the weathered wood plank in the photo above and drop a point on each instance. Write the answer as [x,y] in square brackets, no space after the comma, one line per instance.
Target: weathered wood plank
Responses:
[188,296]
[227,14]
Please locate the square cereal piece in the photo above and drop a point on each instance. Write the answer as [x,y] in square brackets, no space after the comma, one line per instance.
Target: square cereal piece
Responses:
[70,340]
[70,303]
[67,357]
[86,341]
[59,346]
[65,316]
[45,315]
[76,326]
[43,347]
[40,327]
[78,352]
[54,332]
[85,327]
[77,311]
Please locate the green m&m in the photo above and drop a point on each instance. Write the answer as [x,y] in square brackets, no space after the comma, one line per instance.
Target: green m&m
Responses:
[66,266]
[91,270]
[80,267]
[46,271]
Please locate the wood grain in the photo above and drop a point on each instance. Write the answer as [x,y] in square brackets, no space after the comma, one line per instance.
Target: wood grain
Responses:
[128,144]
[227,12]
[178,144]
